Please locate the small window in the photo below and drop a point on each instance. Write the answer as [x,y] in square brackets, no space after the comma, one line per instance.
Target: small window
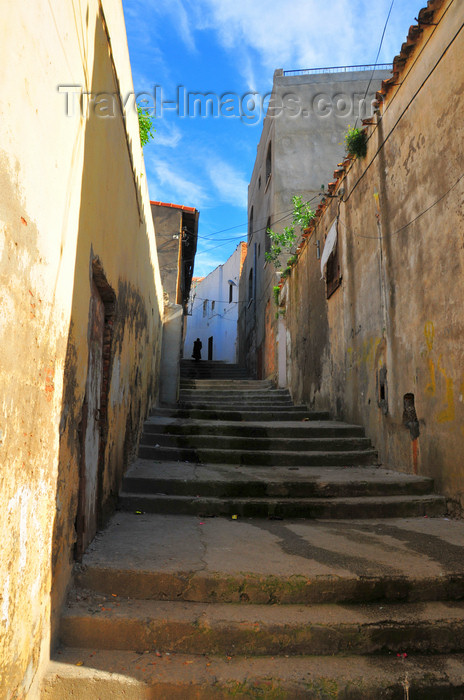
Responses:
[259,249]
[250,285]
[205,307]
[259,182]
[333,276]
[250,227]
[268,162]
[213,304]
[231,293]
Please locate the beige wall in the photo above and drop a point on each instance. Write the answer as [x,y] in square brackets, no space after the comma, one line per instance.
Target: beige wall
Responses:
[400,304]
[72,189]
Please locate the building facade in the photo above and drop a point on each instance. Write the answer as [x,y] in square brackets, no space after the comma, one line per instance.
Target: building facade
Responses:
[213,311]
[380,343]
[176,229]
[302,138]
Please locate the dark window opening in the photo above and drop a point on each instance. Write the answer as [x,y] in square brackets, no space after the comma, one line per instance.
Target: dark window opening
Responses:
[333,274]
[250,226]
[259,182]
[231,293]
[410,416]
[268,162]
[382,389]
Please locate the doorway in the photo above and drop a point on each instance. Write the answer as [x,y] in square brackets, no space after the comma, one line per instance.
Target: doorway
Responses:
[210,347]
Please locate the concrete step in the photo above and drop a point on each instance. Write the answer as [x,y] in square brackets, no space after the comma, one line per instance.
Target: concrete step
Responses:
[263,415]
[275,429]
[180,557]
[278,444]
[247,629]
[264,404]
[86,674]
[272,395]
[334,508]
[222,481]
[227,384]
[315,458]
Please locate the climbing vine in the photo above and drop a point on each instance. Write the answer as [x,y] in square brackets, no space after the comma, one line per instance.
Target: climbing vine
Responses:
[284,241]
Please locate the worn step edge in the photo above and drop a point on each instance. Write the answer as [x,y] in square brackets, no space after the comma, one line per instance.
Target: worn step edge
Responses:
[267,458]
[263,589]
[427,628]
[299,429]
[256,444]
[171,484]
[320,508]
[110,675]
[255,416]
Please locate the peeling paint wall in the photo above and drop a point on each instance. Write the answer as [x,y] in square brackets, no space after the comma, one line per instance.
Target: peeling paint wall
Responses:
[386,349]
[73,200]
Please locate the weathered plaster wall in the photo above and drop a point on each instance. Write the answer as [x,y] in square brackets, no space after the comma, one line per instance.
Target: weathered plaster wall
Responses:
[72,189]
[304,127]
[401,239]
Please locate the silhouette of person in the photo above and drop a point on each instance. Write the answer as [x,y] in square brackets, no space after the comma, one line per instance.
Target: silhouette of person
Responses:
[197,345]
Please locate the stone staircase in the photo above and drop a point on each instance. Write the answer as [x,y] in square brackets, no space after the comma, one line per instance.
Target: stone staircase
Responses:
[325,576]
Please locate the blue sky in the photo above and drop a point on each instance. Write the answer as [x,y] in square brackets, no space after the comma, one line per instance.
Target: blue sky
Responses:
[234,46]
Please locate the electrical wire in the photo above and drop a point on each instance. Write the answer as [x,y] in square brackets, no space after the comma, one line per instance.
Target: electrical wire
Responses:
[412,221]
[445,50]
[378,54]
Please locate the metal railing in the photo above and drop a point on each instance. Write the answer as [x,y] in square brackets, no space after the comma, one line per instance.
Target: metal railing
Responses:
[340,69]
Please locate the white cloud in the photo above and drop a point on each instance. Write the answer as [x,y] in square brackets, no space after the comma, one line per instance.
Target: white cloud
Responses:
[167,134]
[178,14]
[231,185]
[303,33]
[205,263]
[170,185]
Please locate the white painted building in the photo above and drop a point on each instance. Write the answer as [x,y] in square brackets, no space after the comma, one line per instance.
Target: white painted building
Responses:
[213,310]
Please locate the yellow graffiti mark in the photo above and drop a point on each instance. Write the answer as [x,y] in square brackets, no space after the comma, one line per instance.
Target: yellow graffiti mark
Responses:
[431,387]
[448,413]
[429,332]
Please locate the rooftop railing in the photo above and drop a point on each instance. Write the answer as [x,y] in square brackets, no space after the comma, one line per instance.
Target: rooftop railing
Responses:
[340,69]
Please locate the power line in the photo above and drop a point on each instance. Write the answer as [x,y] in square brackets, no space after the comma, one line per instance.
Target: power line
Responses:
[378,54]
[412,221]
[445,50]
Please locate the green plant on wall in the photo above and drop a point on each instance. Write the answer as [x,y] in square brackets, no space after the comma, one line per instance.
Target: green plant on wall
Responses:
[276,292]
[284,241]
[146,130]
[356,142]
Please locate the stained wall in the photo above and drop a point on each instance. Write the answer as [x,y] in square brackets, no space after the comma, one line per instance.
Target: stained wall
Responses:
[385,350]
[74,209]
